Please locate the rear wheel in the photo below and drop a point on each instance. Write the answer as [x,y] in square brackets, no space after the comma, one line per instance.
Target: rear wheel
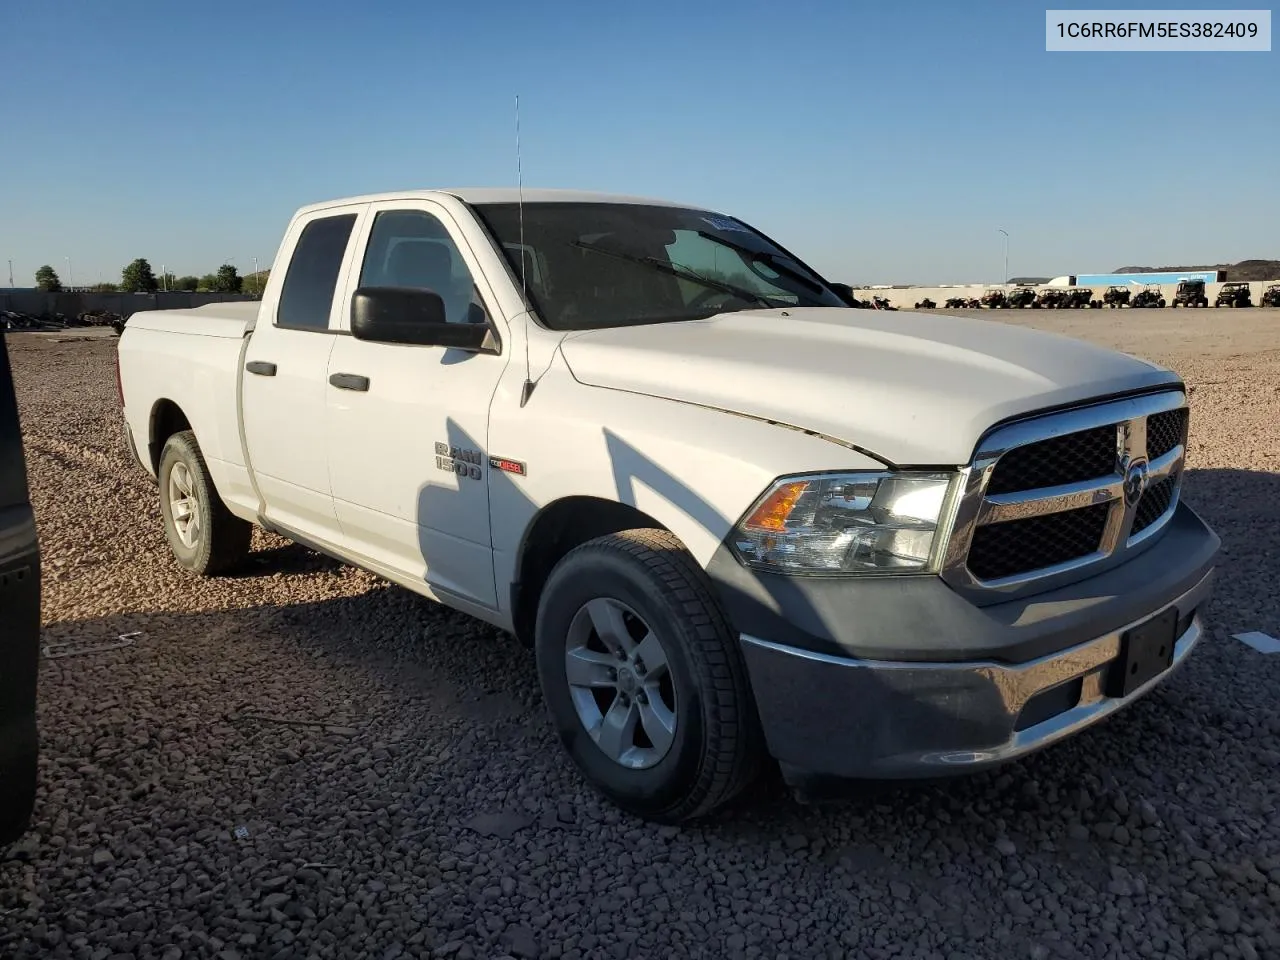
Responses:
[206,538]
[644,679]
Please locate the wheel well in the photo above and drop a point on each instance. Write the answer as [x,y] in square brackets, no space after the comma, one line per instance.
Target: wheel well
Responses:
[556,530]
[167,419]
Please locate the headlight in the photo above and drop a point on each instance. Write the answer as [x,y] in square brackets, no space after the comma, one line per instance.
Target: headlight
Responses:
[846,523]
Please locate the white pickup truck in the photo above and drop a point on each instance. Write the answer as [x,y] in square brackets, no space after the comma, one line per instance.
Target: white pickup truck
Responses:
[735,517]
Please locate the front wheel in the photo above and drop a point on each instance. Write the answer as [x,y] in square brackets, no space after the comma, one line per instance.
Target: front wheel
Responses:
[644,679]
[206,538]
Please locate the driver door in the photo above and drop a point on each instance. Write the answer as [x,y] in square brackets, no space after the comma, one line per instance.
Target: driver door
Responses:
[408,424]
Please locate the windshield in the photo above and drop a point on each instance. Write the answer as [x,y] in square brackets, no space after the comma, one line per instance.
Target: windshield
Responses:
[593,265]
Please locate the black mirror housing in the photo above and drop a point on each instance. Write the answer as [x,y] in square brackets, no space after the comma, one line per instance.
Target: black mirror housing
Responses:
[844,292]
[412,315]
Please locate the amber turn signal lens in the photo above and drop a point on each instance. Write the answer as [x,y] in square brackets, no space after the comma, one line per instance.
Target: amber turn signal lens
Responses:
[774,510]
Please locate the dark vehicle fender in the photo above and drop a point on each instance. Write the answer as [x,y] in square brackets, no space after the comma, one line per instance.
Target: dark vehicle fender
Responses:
[19,620]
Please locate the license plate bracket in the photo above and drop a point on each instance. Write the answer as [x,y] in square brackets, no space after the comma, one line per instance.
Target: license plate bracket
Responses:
[1146,651]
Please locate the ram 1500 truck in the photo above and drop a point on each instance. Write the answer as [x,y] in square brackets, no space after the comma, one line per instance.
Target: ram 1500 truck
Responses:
[19,621]
[735,518]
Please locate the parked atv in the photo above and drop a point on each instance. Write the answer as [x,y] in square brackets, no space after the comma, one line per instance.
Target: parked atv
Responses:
[1270,297]
[1051,298]
[925,304]
[1234,295]
[881,303]
[1148,296]
[994,300]
[1116,297]
[956,303]
[1020,297]
[1190,293]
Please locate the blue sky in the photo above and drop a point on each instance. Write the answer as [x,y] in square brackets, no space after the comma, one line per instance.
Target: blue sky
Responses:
[883,143]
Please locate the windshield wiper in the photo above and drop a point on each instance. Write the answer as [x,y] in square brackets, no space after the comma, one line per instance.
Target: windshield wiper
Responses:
[682,272]
[773,261]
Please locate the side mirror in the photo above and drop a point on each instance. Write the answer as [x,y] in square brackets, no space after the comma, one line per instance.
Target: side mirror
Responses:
[845,293]
[412,315]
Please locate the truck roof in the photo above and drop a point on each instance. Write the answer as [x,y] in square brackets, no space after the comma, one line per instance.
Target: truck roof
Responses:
[496,195]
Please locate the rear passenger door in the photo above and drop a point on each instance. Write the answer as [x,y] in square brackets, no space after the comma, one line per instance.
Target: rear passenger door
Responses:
[285,378]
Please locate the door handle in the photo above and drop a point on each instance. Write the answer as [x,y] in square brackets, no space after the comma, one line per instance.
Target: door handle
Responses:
[349,381]
[261,367]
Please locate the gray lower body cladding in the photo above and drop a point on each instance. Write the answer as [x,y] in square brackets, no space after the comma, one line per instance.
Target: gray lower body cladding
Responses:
[903,677]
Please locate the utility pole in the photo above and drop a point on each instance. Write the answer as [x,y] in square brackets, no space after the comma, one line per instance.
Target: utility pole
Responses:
[71,280]
[1006,256]
[10,273]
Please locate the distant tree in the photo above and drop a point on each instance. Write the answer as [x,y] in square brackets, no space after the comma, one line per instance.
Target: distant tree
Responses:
[47,279]
[186,283]
[227,280]
[207,283]
[105,288]
[138,277]
[254,283]
[167,281]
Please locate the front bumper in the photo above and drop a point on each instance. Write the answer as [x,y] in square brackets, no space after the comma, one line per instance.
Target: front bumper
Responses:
[886,720]
[892,679]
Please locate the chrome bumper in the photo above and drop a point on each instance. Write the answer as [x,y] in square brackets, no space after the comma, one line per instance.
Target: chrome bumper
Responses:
[872,719]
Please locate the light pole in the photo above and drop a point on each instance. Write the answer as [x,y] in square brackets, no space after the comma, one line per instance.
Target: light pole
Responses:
[257,280]
[1006,256]
[71,280]
[11,274]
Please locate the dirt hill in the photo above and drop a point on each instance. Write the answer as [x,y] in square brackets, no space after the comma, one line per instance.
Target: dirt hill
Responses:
[1244,270]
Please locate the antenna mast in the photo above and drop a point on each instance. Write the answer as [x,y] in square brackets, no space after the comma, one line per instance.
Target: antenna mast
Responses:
[527,389]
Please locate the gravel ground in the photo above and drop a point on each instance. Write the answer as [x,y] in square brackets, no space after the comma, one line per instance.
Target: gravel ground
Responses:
[307,762]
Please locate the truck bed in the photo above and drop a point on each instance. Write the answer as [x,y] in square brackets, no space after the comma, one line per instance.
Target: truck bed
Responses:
[199,385]
[228,320]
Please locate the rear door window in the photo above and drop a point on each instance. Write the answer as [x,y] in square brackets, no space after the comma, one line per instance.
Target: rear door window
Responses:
[312,278]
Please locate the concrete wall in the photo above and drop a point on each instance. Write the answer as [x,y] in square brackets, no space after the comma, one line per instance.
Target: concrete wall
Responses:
[907,298]
[38,303]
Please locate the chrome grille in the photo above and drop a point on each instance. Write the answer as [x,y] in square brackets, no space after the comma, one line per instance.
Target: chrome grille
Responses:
[1165,431]
[1051,499]
[1005,549]
[1155,503]
[1047,463]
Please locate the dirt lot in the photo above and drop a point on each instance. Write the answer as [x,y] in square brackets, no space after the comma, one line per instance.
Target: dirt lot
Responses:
[306,762]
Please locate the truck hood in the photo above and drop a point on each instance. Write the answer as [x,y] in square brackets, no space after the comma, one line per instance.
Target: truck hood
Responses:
[908,388]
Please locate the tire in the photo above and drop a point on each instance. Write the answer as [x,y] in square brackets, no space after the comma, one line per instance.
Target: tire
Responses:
[716,749]
[220,540]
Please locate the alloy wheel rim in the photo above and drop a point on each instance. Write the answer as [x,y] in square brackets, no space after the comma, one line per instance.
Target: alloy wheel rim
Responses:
[620,683]
[184,505]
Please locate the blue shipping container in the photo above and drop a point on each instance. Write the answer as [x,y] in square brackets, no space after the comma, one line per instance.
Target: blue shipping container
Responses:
[1121,279]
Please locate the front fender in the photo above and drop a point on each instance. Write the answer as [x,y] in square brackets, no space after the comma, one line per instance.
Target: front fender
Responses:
[693,469]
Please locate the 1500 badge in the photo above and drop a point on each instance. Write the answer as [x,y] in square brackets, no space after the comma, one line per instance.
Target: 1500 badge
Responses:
[465,463]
